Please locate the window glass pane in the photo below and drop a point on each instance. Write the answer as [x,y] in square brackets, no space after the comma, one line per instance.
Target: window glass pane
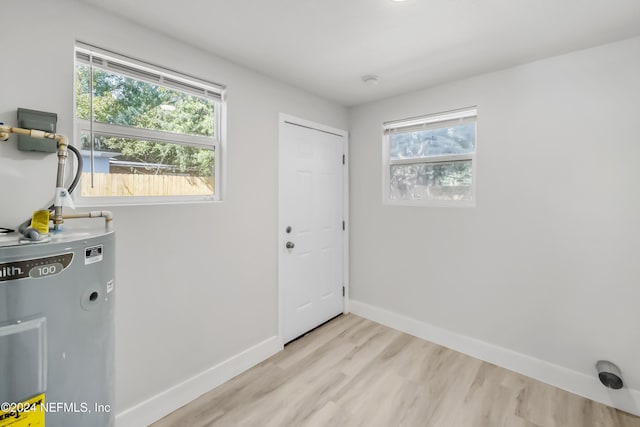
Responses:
[130,167]
[432,181]
[125,101]
[459,139]
[83,96]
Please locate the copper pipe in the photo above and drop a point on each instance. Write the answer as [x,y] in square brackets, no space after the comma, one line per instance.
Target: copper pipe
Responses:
[5,130]
[107,215]
[58,217]
[62,160]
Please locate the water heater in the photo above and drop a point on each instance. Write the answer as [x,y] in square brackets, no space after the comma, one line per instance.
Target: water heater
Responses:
[57,329]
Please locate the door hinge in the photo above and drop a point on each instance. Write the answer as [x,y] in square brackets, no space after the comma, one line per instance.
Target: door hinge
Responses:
[344,226]
[343,291]
[344,159]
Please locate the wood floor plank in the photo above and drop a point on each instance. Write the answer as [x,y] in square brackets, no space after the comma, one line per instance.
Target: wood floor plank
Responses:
[331,414]
[318,338]
[354,372]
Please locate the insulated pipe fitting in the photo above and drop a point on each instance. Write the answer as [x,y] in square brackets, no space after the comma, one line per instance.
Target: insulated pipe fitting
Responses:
[4,132]
[61,191]
[107,215]
[62,161]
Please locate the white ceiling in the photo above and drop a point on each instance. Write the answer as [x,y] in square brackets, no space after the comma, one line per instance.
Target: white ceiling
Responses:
[326,46]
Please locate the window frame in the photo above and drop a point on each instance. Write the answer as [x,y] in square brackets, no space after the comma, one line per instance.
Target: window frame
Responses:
[173,80]
[431,121]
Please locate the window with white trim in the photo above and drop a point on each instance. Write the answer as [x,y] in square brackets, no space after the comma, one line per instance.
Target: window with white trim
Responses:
[430,160]
[146,134]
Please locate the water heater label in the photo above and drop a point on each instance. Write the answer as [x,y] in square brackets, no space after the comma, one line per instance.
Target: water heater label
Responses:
[35,268]
[29,413]
[93,254]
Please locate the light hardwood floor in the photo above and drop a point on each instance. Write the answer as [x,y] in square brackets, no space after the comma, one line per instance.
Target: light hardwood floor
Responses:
[354,372]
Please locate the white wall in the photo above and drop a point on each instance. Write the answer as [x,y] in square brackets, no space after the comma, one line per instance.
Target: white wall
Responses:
[547,264]
[196,284]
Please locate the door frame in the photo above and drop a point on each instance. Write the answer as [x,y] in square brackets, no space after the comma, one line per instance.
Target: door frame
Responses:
[282,121]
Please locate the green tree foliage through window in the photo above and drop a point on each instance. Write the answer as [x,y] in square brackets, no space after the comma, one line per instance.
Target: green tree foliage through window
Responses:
[124,101]
[432,158]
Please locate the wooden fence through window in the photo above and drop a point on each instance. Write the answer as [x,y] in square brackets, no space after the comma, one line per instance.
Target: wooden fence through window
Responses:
[117,184]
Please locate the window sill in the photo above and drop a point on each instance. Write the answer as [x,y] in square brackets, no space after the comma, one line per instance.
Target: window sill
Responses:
[431,203]
[100,202]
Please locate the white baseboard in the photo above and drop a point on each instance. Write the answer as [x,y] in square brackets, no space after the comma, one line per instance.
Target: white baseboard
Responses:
[164,403]
[575,382]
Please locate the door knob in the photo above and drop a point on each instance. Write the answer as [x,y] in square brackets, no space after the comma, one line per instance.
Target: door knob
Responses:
[290,245]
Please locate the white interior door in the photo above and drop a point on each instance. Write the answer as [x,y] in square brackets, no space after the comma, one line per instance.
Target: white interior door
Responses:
[311,227]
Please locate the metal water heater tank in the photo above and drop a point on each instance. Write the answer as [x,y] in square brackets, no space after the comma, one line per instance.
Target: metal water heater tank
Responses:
[57,330]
